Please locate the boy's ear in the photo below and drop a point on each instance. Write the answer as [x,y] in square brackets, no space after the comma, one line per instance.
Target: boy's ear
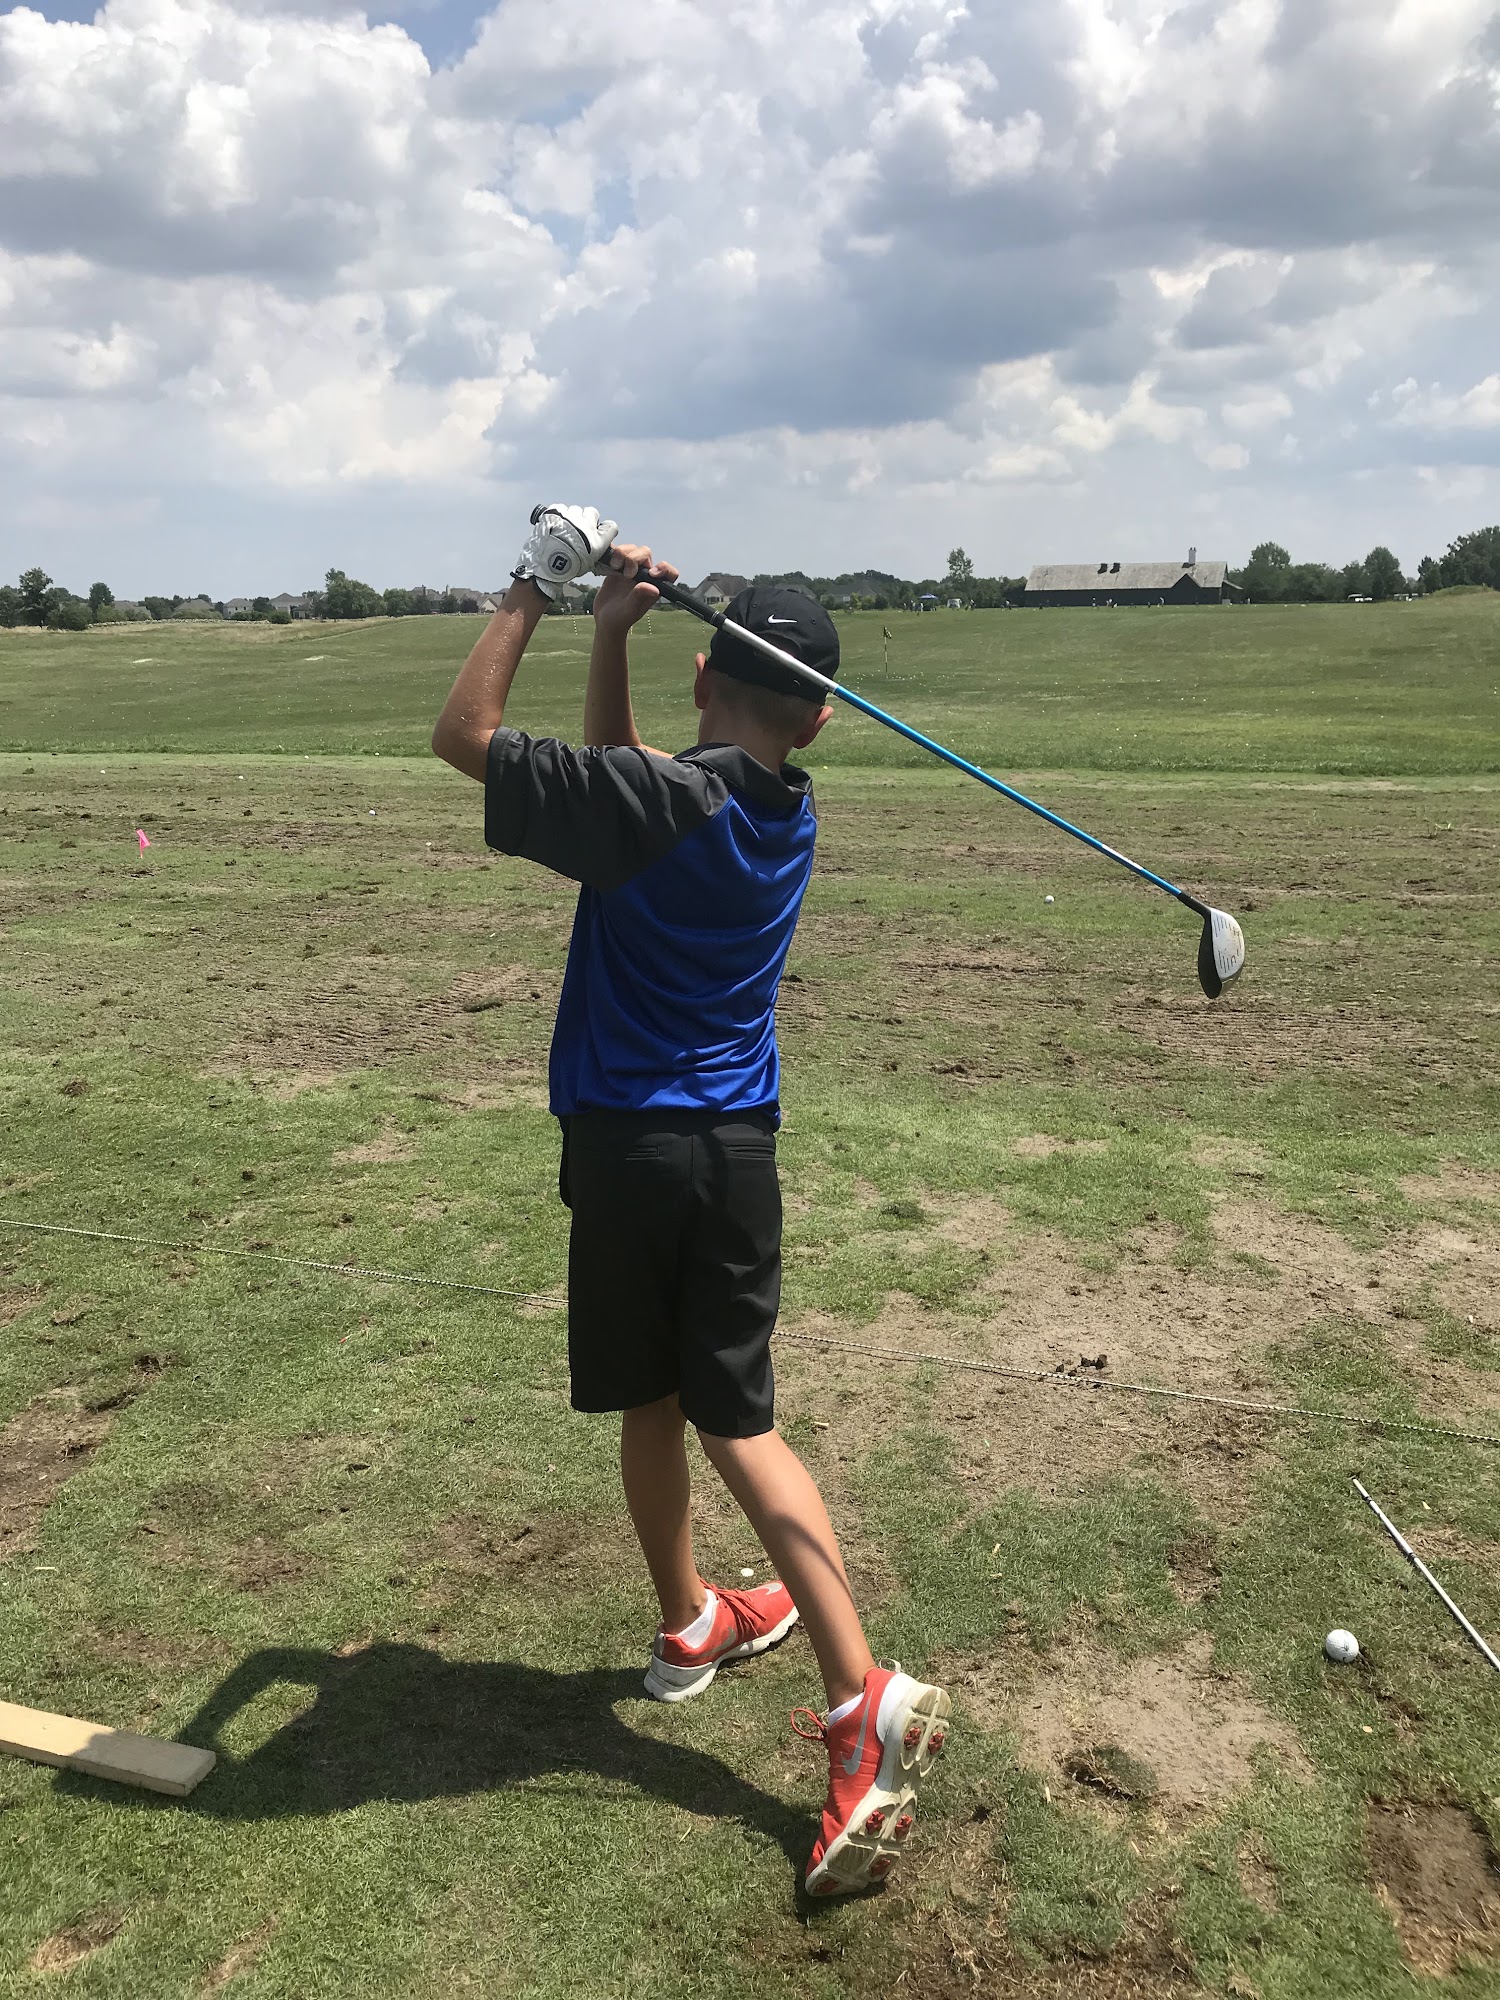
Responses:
[700,681]
[805,736]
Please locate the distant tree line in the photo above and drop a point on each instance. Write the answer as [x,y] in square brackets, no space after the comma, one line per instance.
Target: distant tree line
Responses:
[1271,577]
[878,590]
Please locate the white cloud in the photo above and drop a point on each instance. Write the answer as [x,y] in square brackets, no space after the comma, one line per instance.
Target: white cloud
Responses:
[866,253]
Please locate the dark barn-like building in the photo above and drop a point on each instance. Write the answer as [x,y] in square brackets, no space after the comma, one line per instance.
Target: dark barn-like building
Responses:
[1104,584]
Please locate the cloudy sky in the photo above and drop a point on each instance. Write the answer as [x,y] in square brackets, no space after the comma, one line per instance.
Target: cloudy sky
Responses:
[812,283]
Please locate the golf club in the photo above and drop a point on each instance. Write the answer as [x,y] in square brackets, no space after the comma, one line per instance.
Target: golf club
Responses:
[1221,945]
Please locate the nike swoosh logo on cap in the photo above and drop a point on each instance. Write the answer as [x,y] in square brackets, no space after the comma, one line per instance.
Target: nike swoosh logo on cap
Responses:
[779,621]
[851,1764]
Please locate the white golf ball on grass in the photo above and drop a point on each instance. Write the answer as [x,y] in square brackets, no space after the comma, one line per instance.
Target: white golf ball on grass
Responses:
[1341,1647]
[1047,899]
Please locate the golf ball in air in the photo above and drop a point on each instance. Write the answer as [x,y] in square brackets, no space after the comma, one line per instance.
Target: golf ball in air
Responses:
[1046,899]
[1341,1647]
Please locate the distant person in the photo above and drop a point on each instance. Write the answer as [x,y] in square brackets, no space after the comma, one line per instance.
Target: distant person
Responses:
[665,1078]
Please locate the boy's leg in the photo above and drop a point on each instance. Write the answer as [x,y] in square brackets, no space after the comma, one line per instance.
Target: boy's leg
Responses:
[782,1503]
[884,1728]
[654,1473]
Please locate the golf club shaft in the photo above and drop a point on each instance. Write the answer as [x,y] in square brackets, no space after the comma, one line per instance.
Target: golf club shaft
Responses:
[675,594]
[1425,1573]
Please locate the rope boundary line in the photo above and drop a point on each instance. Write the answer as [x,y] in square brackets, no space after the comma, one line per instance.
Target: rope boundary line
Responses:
[1041,1377]
[274,1257]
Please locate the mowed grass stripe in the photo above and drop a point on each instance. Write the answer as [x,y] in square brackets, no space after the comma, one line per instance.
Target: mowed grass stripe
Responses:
[1372,689]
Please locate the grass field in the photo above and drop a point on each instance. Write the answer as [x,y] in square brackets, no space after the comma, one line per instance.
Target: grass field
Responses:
[1380,689]
[348,1532]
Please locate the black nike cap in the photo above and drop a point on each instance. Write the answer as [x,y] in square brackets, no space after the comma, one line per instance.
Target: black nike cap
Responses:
[796,623]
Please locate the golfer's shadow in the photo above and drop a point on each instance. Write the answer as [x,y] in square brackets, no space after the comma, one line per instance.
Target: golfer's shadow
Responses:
[401,1722]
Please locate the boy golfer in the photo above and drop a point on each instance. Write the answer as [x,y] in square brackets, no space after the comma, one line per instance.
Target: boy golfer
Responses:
[664,1075]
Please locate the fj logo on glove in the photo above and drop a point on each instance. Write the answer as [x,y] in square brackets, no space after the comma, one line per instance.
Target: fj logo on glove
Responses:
[565,542]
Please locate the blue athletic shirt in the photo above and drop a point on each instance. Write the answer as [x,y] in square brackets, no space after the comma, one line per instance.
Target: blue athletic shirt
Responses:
[693,870]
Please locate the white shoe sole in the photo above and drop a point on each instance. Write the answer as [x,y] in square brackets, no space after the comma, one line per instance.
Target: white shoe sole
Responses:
[864,1853]
[664,1682]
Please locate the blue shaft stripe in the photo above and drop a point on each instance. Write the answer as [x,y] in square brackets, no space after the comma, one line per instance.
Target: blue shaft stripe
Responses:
[1007,791]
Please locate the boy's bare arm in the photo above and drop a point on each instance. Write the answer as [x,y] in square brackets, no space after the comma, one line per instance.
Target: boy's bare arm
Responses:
[476,707]
[625,596]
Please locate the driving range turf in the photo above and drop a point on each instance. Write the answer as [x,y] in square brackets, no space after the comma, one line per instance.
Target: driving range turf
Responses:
[348,1532]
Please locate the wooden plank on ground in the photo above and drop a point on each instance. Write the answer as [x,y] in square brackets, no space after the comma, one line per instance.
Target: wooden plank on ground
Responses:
[173,1768]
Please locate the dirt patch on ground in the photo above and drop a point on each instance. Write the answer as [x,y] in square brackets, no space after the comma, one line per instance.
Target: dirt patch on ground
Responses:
[70,1947]
[1453,1182]
[949,1907]
[1258,1879]
[1440,1545]
[1188,1726]
[240,1958]
[40,1451]
[1435,1872]
[1257,1036]
[372,1016]
[1042,1146]
[547,1554]
[388,1149]
[1221,1154]
[16,1299]
[951,1963]
[154,1652]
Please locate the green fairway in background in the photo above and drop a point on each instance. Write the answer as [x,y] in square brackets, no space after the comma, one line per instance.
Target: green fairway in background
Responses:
[1368,689]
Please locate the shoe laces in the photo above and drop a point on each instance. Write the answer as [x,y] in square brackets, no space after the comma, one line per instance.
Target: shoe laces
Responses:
[819,1731]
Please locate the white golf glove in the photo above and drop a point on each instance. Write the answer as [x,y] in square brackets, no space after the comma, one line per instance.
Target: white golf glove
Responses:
[564,543]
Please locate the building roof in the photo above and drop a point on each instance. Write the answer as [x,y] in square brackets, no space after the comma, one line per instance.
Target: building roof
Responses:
[1129,576]
[722,580]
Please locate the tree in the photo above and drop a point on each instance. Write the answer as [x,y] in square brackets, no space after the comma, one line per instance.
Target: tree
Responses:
[1429,575]
[261,606]
[398,603]
[1384,574]
[34,585]
[70,614]
[10,605]
[100,594]
[1471,559]
[960,570]
[161,607]
[1353,580]
[1312,583]
[346,597]
[1265,578]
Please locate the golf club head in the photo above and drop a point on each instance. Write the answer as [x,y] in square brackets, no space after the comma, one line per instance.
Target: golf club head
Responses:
[1221,952]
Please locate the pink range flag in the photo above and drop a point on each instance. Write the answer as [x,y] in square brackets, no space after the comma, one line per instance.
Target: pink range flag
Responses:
[140,836]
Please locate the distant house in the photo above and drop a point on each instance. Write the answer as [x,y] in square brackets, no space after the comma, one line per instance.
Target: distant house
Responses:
[717,588]
[197,607]
[1111,583]
[469,599]
[295,607]
[238,607]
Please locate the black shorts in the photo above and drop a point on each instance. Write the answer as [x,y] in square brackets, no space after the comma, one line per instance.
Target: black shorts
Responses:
[674,1263]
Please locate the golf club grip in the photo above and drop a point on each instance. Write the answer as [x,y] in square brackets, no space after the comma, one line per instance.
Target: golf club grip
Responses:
[689,600]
